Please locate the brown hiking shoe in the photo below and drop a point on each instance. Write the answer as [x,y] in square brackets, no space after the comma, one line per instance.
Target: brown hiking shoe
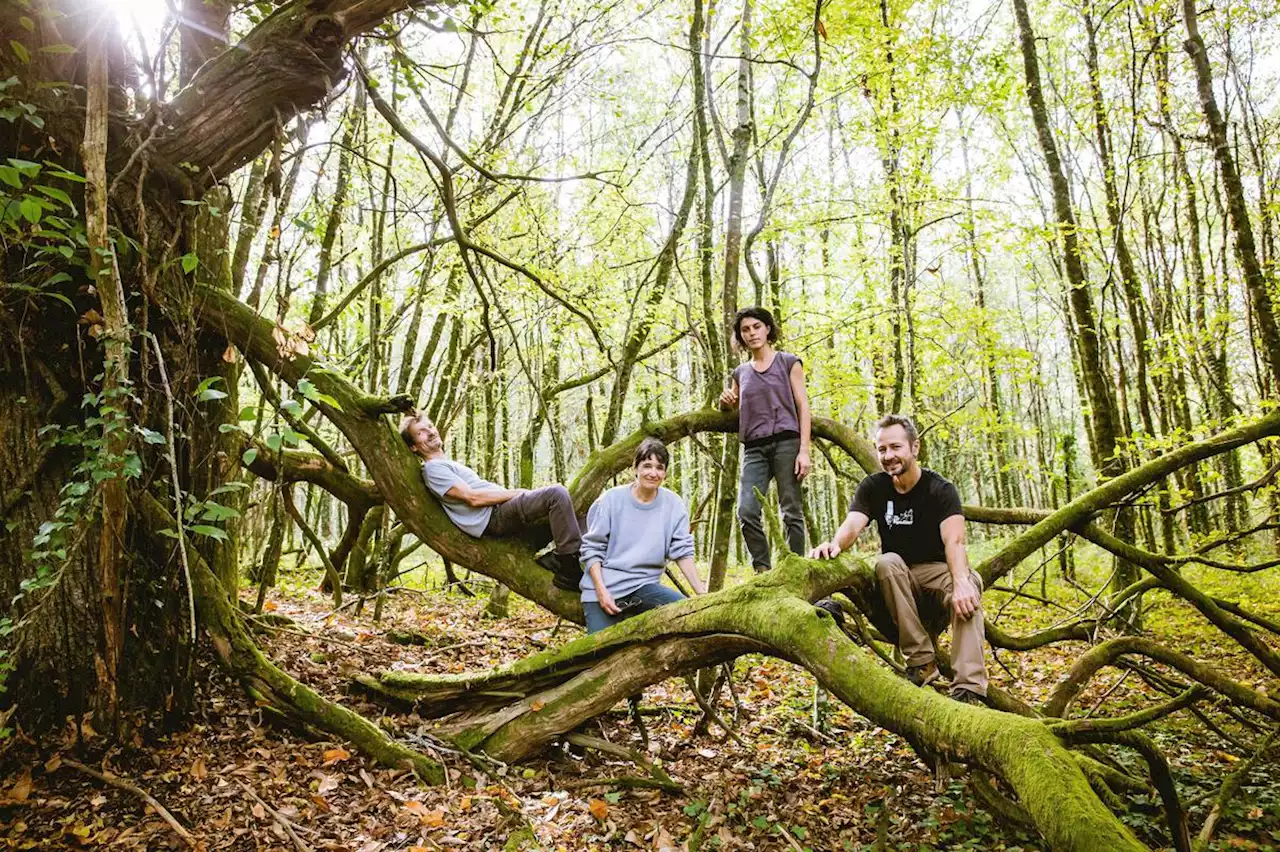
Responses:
[968,696]
[924,674]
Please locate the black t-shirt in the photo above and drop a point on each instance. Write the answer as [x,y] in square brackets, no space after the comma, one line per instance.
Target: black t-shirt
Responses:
[909,523]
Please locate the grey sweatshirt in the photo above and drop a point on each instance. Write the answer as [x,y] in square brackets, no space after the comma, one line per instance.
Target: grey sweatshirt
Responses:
[633,540]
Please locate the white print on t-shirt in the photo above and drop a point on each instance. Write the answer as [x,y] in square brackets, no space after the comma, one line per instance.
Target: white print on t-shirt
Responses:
[906,519]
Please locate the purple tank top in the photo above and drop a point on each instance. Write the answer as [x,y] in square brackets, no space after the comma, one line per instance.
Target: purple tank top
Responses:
[766,405]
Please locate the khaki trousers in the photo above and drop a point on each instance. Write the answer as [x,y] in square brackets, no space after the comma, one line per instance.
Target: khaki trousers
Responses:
[903,586]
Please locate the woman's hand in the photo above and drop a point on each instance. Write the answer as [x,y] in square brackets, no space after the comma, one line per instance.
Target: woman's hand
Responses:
[606,600]
[729,399]
[802,464]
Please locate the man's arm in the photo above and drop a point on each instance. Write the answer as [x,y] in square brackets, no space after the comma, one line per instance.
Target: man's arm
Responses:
[690,572]
[804,416]
[964,594]
[854,523]
[478,498]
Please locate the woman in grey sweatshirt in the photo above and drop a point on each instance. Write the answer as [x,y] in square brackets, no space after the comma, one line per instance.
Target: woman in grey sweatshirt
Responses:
[632,531]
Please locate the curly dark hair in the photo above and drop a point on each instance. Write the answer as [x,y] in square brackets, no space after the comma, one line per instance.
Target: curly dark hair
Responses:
[759,313]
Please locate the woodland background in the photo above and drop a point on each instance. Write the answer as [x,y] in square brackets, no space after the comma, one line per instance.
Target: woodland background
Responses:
[1047,231]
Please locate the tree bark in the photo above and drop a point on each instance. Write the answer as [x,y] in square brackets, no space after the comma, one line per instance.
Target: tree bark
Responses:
[1255,279]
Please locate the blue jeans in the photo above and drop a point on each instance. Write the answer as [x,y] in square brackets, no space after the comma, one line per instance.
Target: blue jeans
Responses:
[774,461]
[641,600]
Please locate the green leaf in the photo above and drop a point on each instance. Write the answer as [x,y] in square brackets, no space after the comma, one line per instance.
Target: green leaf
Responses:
[59,49]
[20,51]
[210,394]
[229,487]
[218,512]
[212,532]
[249,455]
[291,406]
[151,436]
[206,391]
[9,175]
[57,195]
[189,263]
[249,412]
[224,428]
[273,442]
[30,209]
[28,168]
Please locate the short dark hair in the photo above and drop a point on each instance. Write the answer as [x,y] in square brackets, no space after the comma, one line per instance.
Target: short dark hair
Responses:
[755,312]
[406,427]
[651,448]
[908,425]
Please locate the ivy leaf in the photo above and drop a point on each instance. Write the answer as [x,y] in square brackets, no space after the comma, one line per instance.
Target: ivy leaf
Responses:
[249,455]
[212,532]
[189,263]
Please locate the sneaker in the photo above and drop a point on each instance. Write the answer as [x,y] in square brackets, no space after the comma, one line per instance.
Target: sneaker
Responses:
[968,696]
[923,674]
[567,574]
[832,607]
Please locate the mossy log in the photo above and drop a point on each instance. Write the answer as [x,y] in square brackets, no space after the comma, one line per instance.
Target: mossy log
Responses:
[550,693]
[267,683]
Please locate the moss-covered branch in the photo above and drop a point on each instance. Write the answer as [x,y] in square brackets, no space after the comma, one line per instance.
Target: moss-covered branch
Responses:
[1108,652]
[269,684]
[1084,507]
[609,461]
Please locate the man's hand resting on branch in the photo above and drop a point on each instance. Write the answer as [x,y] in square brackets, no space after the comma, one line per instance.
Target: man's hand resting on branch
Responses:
[965,597]
[826,550]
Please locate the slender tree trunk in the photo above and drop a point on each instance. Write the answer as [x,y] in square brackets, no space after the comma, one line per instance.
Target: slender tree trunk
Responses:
[1255,279]
[1105,415]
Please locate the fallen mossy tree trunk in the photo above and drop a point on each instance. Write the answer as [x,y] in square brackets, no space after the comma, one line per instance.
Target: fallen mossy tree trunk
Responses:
[517,709]
[270,686]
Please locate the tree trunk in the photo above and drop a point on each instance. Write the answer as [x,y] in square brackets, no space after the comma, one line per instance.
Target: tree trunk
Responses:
[1255,279]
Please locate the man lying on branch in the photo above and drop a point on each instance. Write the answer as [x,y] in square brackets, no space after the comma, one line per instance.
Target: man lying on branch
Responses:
[481,508]
[922,558]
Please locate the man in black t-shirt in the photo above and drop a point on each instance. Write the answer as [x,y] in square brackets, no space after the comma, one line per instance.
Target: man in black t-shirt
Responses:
[917,513]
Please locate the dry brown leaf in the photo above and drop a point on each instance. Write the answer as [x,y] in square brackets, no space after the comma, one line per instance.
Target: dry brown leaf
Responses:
[465,803]
[259,811]
[198,769]
[433,819]
[335,755]
[21,788]
[537,704]
[599,808]
[270,606]
[329,782]
[320,803]
[52,764]
[229,355]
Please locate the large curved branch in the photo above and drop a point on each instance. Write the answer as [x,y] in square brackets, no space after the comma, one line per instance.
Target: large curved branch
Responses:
[1091,502]
[268,683]
[302,466]
[609,461]
[229,112]
[1111,650]
[557,689]
[389,463]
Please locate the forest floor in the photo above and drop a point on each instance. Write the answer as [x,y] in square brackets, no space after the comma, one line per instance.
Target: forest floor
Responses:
[787,781]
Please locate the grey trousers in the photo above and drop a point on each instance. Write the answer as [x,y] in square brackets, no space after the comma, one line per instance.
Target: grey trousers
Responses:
[903,585]
[776,462]
[528,515]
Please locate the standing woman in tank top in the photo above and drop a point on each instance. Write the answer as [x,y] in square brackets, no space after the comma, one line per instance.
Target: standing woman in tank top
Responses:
[773,426]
